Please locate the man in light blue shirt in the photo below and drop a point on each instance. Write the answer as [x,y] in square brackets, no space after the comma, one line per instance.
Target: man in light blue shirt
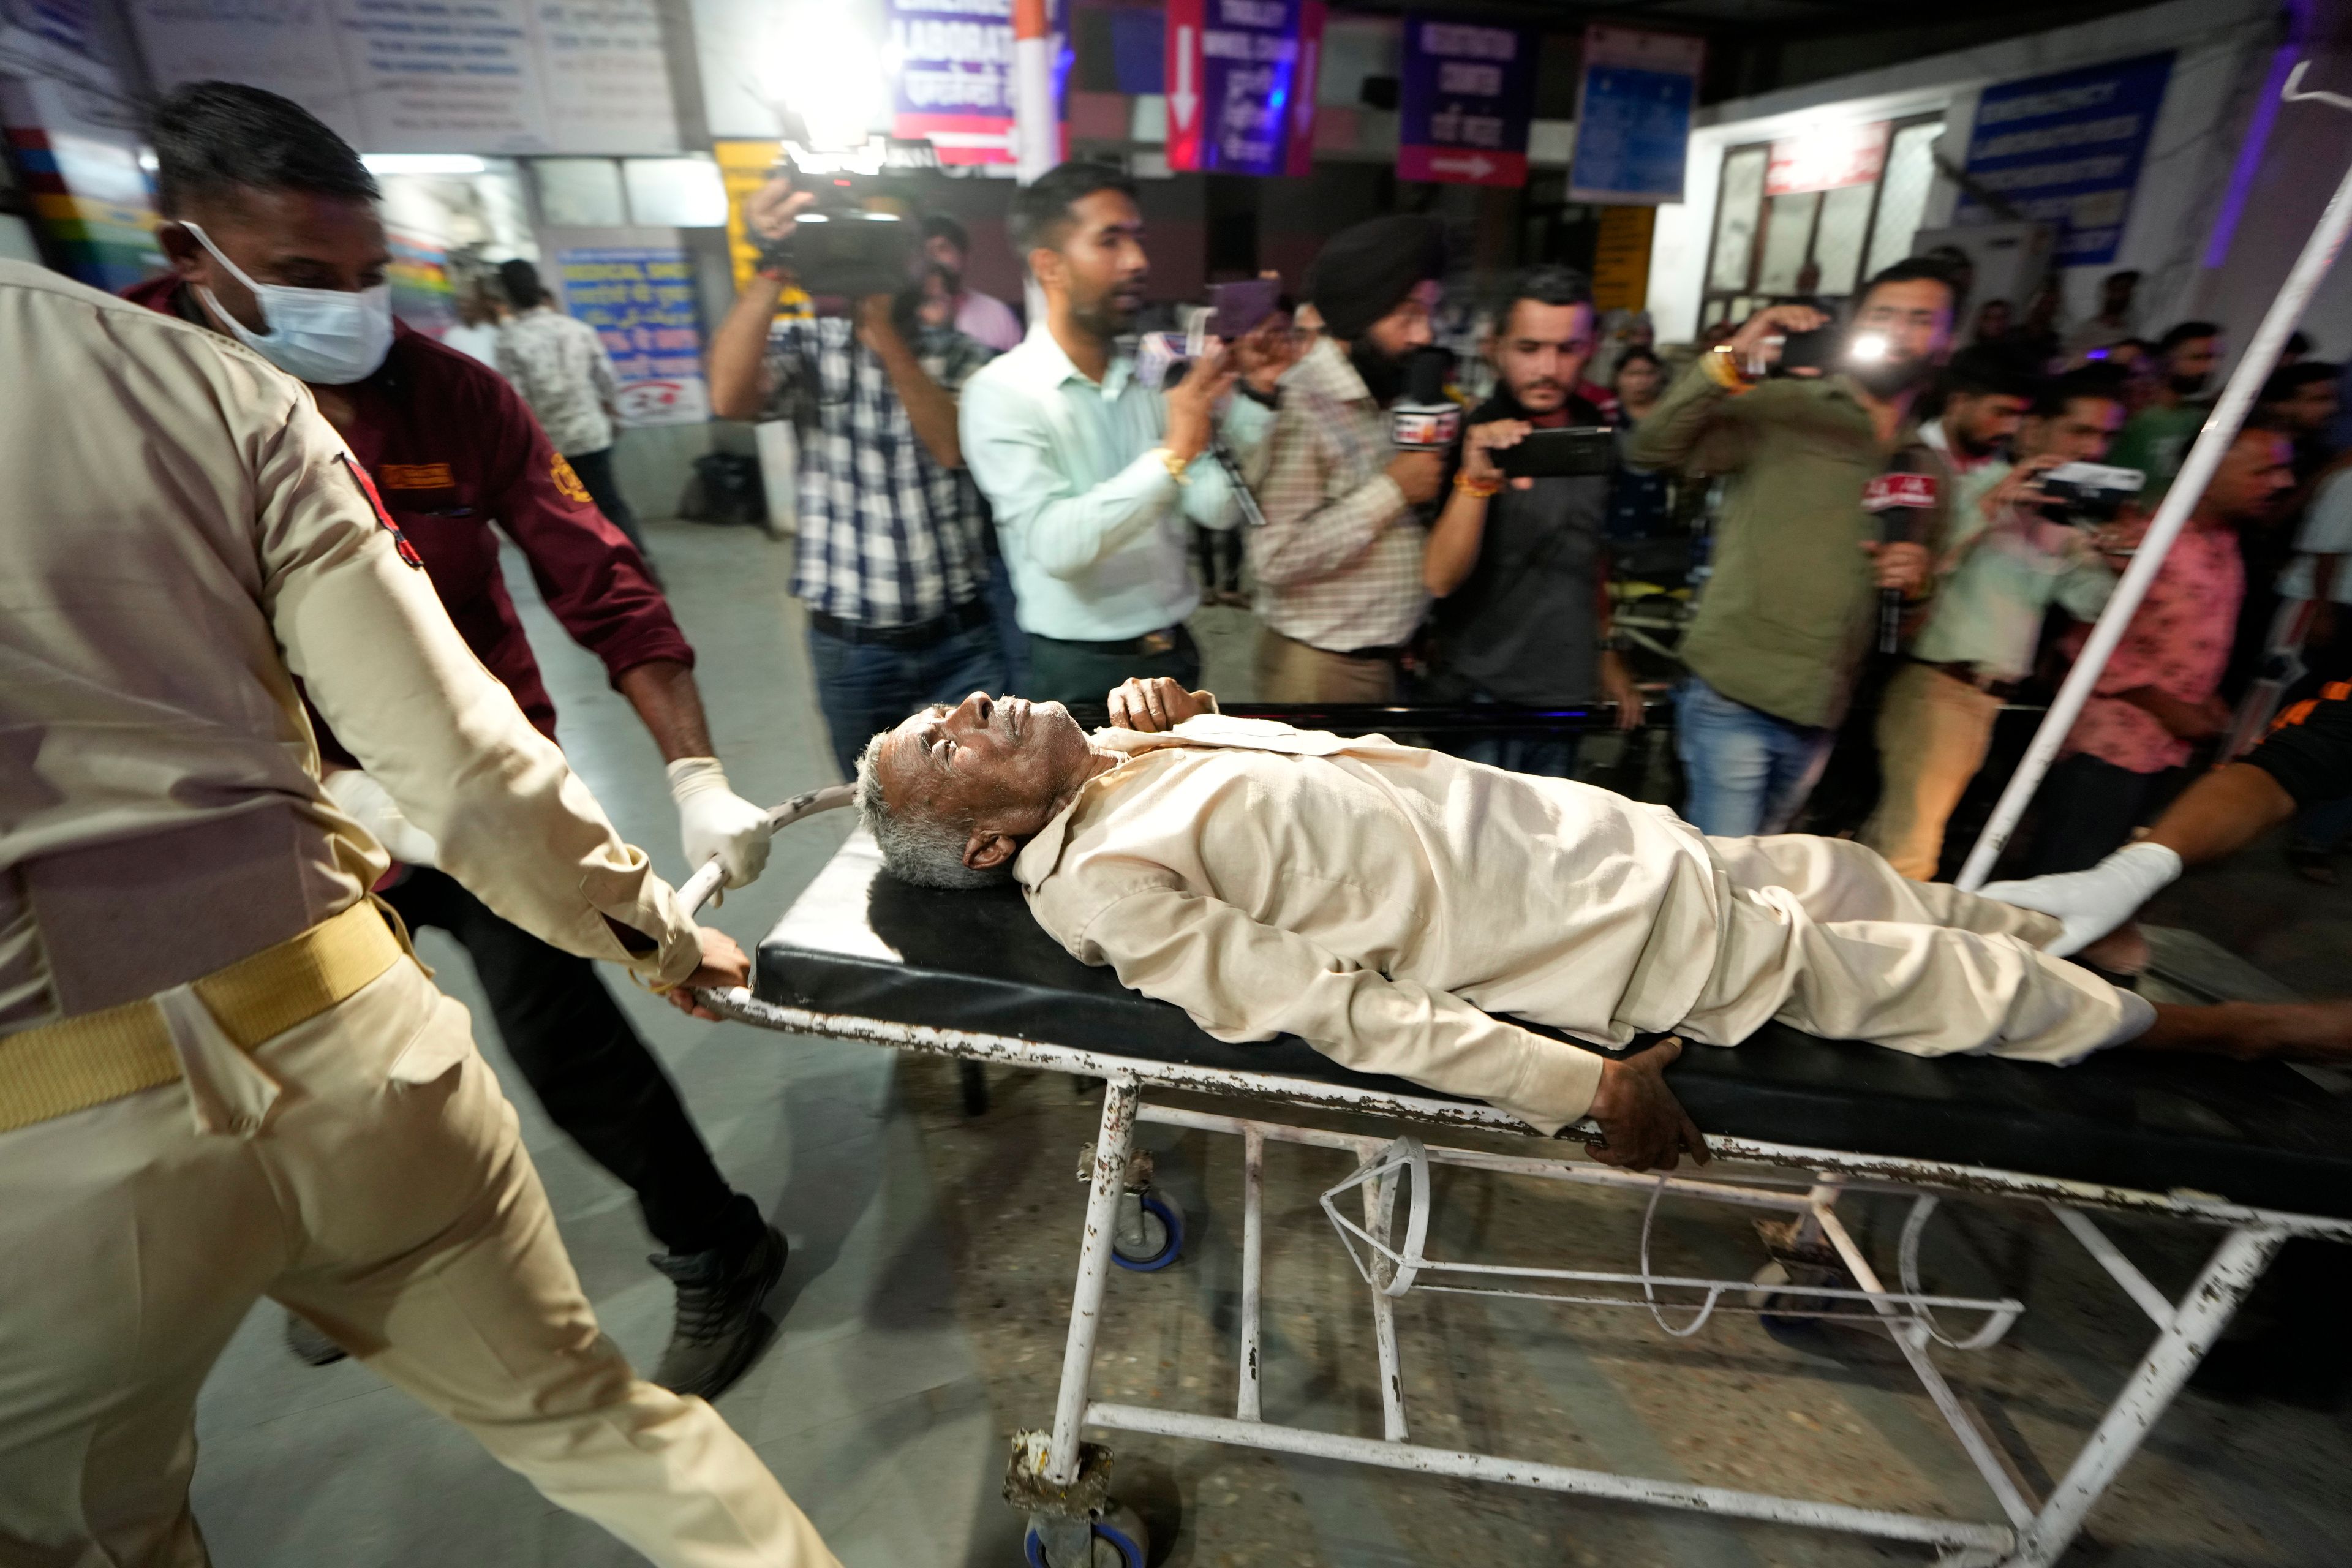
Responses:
[2006,564]
[1094,476]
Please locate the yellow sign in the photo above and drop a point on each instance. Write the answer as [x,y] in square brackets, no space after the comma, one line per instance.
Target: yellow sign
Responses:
[744,168]
[1621,260]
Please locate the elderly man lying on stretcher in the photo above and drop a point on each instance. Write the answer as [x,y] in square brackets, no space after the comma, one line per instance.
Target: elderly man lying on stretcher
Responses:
[1397,908]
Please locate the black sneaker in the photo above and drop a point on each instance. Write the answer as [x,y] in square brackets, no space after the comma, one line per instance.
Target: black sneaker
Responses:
[720,1328]
[309,1344]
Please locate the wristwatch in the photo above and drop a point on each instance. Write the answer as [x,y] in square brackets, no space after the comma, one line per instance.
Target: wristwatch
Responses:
[1173,464]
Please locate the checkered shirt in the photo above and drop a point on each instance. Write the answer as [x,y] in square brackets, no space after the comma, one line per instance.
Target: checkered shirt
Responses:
[1339,560]
[888,537]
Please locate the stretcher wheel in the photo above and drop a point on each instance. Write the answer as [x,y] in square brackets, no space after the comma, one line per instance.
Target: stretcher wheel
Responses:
[1120,1541]
[1160,1225]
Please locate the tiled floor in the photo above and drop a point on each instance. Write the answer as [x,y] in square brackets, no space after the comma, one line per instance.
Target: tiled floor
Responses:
[933,1257]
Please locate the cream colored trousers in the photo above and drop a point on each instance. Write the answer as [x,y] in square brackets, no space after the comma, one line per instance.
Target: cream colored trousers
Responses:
[1933,733]
[1289,670]
[386,1196]
[1823,935]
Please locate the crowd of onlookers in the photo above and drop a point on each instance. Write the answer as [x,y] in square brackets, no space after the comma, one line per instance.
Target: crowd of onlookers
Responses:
[1876,559]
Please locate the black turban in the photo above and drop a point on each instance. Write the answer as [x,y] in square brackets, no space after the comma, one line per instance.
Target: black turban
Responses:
[1366,271]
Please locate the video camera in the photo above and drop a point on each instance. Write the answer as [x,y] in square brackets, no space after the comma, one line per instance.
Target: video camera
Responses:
[2086,495]
[840,247]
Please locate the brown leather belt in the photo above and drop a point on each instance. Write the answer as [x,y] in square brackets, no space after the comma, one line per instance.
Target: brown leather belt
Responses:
[78,1062]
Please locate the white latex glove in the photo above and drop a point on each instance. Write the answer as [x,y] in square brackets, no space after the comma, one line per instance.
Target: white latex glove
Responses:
[357,796]
[2093,902]
[712,819]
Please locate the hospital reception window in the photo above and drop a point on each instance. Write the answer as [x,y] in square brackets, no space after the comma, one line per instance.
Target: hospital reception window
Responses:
[1816,212]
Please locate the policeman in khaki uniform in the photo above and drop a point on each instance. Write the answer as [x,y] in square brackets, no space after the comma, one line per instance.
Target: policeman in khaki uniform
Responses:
[222,1075]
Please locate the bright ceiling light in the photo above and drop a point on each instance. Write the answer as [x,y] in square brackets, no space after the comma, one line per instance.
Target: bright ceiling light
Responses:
[423,163]
[826,70]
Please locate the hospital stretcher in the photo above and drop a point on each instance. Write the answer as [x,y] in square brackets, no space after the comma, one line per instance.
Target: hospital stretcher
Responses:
[2257,1153]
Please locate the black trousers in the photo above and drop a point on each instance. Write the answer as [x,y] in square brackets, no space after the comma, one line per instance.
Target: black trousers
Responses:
[593,1075]
[1076,672]
[595,471]
[2089,809]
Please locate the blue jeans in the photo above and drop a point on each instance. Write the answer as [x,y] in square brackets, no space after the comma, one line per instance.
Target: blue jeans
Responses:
[864,690]
[1545,756]
[1748,772]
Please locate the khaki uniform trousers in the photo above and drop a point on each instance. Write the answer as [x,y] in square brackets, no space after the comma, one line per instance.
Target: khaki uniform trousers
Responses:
[1933,731]
[386,1195]
[1820,934]
[1288,670]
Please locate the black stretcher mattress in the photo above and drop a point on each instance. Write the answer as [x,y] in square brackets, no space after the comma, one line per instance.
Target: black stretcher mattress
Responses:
[865,945]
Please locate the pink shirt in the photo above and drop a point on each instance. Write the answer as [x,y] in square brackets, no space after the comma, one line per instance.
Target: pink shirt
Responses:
[2179,643]
[986,318]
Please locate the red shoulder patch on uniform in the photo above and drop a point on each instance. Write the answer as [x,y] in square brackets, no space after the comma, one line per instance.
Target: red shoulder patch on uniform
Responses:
[382,518]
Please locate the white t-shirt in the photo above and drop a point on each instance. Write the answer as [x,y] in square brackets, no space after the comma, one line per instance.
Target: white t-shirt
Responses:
[2326,531]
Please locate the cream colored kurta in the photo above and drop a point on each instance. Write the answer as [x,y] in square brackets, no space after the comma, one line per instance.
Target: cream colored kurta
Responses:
[184,536]
[1384,903]
[1381,902]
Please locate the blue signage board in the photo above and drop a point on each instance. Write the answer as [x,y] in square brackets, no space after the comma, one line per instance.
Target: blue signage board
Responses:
[2066,149]
[1633,116]
[641,302]
[1238,71]
[1468,98]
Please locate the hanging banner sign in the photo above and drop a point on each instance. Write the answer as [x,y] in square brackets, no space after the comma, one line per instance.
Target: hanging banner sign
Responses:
[2065,150]
[1235,81]
[1468,98]
[641,302]
[1301,162]
[1828,159]
[1633,116]
[951,75]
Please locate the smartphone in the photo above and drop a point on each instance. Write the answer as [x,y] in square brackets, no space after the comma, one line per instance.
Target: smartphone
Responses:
[1238,308]
[1817,350]
[1579,452]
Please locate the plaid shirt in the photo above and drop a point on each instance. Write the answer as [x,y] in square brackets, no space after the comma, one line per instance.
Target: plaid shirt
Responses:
[888,537]
[1339,560]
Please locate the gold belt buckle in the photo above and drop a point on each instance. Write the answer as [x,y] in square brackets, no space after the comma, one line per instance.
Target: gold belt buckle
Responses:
[1151,645]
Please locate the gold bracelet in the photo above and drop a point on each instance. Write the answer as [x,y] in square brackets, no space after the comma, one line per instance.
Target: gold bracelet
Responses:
[1173,464]
[1482,489]
[1725,371]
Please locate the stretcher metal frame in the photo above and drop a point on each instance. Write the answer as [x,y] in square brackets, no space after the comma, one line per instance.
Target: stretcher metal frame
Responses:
[1064,1482]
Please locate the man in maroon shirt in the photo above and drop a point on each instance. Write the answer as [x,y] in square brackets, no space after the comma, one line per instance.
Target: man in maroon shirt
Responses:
[274,239]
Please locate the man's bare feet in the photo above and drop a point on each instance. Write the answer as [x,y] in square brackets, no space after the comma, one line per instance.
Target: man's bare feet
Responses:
[2256,1031]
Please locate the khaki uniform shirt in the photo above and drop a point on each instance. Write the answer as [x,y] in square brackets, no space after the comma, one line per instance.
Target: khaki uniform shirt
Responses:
[1792,604]
[184,537]
[1377,900]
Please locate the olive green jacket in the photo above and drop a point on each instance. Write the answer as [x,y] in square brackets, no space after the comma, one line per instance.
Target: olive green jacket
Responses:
[1793,607]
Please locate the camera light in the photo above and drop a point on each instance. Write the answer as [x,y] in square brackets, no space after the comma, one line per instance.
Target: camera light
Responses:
[1868,348]
[827,71]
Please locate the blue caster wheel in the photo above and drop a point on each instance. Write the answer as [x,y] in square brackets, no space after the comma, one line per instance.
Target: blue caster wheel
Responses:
[1162,1241]
[1120,1541]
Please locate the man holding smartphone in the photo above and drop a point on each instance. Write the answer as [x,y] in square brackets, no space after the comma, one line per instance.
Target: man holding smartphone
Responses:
[1339,560]
[1518,566]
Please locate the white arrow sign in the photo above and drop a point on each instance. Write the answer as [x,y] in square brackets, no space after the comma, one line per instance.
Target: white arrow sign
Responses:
[1302,109]
[1475,166]
[1183,101]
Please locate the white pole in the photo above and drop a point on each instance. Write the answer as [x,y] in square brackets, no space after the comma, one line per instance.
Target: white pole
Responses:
[1035,127]
[2220,428]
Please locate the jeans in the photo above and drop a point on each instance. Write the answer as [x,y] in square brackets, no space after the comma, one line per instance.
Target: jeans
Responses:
[1544,756]
[1009,635]
[1073,672]
[595,471]
[1748,772]
[865,688]
[593,1075]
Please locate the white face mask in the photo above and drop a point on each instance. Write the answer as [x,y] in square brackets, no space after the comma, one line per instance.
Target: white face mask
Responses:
[326,336]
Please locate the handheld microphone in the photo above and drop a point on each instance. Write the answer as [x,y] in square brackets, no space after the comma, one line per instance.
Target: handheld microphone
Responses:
[1424,419]
[1900,499]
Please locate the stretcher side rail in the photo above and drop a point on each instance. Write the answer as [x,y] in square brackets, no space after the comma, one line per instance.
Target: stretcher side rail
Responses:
[865,939]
